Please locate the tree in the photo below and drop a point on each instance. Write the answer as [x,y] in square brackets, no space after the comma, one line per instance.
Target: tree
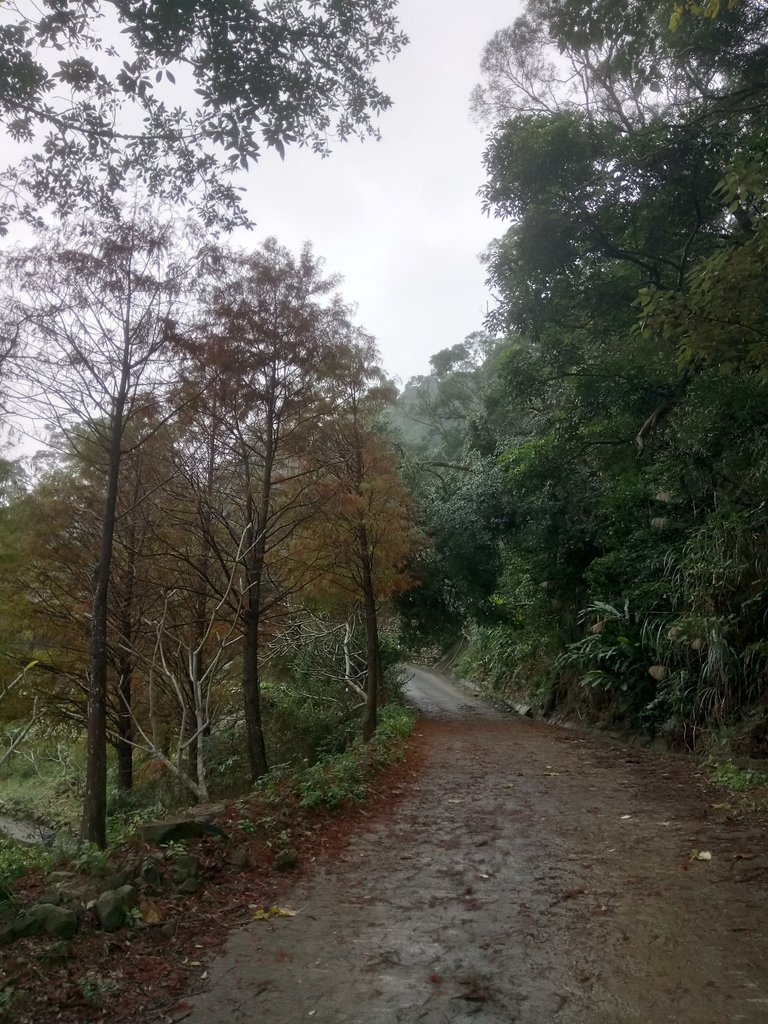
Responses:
[273,333]
[366,531]
[95,310]
[90,92]
[437,406]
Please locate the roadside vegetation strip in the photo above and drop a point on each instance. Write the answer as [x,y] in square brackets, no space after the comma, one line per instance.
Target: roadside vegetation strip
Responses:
[746,787]
[335,779]
[188,894]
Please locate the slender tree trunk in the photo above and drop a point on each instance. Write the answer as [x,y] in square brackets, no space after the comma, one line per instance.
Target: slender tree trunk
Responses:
[373,653]
[93,828]
[258,516]
[125,731]
[124,728]
[200,723]
[192,754]
[195,754]
[257,754]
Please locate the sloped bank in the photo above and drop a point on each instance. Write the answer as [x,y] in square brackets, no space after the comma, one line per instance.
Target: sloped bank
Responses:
[138,922]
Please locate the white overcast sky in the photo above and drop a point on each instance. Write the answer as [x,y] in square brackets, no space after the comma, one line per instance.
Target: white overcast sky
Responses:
[400,219]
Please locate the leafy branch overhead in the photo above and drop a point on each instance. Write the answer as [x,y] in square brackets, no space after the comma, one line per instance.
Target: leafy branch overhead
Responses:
[177,96]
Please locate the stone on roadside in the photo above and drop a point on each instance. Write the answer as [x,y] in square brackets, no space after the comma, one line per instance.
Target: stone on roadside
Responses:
[129,894]
[114,881]
[286,860]
[185,867]
[149,874]
[177,830]
[188,886]
[151,914]
[110,911]
[58,921]
[25,925]
[112,907]
[54,877]
[240,858]
[61,923]
[56,895]
[41,910]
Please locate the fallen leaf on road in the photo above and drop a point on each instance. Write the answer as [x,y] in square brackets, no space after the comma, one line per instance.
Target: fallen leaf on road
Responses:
[701,855]
[743,856]
[266,913]
[551,774]
[721,807]
[179,1013]
[150,912]
[626,817]
[571,894]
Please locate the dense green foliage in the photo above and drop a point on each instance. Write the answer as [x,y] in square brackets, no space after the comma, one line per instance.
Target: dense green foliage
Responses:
[618,430]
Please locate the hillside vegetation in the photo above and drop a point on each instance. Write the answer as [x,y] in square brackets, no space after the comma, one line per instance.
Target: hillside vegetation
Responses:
[594,472]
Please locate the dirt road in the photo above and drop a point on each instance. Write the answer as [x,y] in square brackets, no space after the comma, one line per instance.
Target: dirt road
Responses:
[527,874]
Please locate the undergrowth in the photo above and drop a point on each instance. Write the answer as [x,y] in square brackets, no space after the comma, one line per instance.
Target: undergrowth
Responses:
[339,778]
[738,779]
[16,860]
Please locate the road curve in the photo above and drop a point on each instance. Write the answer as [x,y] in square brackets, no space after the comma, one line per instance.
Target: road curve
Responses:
[435,696]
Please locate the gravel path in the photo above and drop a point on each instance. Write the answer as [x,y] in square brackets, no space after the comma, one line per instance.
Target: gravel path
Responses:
[527,874]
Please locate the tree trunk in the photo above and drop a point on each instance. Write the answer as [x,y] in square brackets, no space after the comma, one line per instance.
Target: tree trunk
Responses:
[93,827]
[192,755]
[373,653]
[124,745]
[195,755]
[258,517]
[257,754]
[124,730]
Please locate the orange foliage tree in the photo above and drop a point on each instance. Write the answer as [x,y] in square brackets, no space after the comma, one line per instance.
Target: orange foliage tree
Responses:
[364,532]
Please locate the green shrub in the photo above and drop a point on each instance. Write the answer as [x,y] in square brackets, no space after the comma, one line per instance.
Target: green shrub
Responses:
[507,659]
[340,778]
[738,779]
[16,859]
[335,779]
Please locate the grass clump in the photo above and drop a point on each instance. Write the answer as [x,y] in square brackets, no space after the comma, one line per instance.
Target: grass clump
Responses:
[738,779]
[16,860]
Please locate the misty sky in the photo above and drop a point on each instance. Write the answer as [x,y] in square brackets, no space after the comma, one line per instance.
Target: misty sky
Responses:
[400,219]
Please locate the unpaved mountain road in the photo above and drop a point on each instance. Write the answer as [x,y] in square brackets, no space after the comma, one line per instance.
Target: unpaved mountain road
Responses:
[526,874]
